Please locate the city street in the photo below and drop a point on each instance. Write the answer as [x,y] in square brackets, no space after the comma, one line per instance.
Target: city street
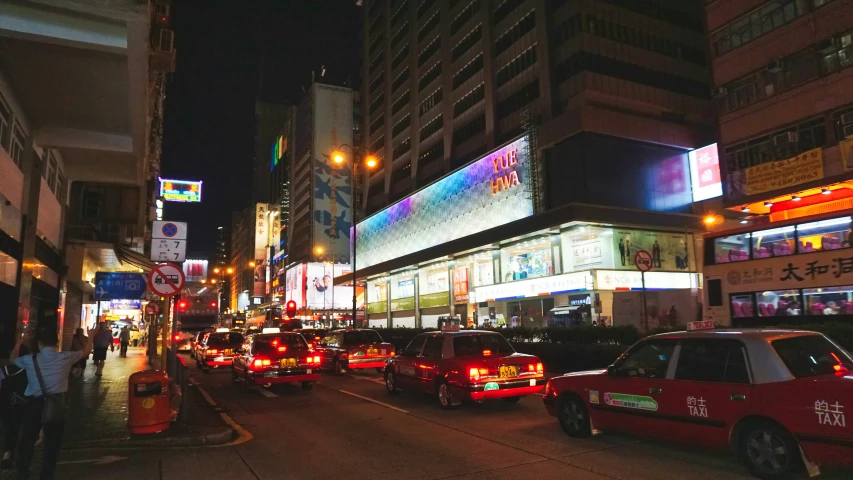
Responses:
[349,426]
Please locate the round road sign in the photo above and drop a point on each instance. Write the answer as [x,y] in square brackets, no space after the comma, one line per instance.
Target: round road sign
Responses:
[643,260]
[152,309]
[166,279]
[170,230]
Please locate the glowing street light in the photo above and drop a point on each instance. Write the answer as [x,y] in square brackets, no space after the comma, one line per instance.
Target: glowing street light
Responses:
[216,270]
[338,157]
[252,264]
[229,270]
[318,250]
[371,161]
[213,281]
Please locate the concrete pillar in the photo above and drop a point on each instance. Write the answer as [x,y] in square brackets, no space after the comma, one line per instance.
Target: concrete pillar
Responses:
[71,314]
[417,300]
[32,166]
[388,323]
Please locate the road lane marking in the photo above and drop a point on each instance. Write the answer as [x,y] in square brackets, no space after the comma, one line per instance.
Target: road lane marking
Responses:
[374,380]
[244,437]
[392,407]
[267,393]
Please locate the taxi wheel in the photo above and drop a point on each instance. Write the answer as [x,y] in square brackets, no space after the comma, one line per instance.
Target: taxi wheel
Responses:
[574,417]
[445,398]
[390,382]
[338,368]
[307,386]
[770,451]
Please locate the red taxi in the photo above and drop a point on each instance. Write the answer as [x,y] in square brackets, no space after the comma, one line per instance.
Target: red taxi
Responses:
[464,365]
[353,349]
[269,358]
[217,349]
[776,398]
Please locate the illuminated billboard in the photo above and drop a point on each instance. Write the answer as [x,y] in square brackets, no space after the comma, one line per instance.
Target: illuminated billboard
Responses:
[180,190]
[705,173]
[487,193]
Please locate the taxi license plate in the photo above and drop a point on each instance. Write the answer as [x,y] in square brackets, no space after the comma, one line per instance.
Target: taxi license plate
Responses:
[288,362]
[270,374]
[227,352]
[372,351]
[508,371]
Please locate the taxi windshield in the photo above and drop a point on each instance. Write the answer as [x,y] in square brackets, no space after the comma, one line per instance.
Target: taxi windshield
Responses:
[812,355]
[468,345]
[270,345]
[224,339]
[359,337]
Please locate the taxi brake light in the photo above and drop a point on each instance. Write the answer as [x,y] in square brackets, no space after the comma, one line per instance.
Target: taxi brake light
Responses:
[531,368]
[317,359]
[839,368]
[261,362]
[310,346]
[212,351]
[487,353]
[282,349]
[275,342]
[474,374]
[540,368]
[393,353]
[177,337]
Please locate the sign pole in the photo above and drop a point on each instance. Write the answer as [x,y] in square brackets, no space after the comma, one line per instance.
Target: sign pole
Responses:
[152,337]
[166,334]
[644,262]
[645,307]
[173,358]
[98,315]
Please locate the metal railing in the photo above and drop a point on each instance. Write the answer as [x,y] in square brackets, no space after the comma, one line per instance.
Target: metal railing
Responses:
[179,373]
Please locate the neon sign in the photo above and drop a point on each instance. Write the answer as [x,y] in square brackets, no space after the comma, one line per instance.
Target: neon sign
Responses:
[503,162]
[705,173]
[180,190]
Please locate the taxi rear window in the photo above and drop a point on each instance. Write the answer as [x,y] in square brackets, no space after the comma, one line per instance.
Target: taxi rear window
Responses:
[468,345]
[224,338]
[358,337]
[812,355]
[270,345]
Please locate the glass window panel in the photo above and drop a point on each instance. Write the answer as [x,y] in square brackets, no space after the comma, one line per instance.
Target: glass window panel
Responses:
[734,248]
[8,269]
[813,355]
[828,300]
[528,259]
[779,303]
[829,234]
[776,242]
[743,305]
[649,359]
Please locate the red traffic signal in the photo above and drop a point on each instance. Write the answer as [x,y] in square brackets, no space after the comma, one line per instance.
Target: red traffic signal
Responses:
[182,304]
[290,308]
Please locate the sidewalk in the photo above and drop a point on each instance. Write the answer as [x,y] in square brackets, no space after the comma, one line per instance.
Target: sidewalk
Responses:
[98,410]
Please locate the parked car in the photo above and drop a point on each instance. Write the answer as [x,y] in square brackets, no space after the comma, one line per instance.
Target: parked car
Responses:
[777,398]
[269,358]
[352,349]
[464,365]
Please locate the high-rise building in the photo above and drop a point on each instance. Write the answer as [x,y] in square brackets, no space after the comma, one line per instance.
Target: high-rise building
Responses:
[269,121]
[445,81]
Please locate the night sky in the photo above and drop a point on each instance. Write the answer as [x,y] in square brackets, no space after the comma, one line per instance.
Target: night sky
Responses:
[230,53]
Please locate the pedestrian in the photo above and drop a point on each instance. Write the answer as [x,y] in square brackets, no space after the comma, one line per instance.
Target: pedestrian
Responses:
[124,338]
[78,343]
[13,384]
[47,382]
[102,341]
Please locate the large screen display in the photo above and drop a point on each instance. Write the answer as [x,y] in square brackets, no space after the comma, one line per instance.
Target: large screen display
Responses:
[180,190]
[489,192]
[705,173]
[321,294]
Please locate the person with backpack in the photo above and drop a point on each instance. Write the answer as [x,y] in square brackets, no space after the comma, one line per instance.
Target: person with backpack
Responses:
[47,382]
[13,383]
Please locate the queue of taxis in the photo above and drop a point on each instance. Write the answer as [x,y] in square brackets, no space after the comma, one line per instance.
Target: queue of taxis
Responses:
[777,398]
[271,358]
[464,365]
[353,349]
[217,349]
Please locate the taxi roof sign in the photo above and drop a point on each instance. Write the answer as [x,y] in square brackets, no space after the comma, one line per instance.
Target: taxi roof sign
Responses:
[703,325]
[271,330]
[450,328]
[221,330]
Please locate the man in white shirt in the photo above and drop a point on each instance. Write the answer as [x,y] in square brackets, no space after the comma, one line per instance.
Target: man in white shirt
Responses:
[54,367]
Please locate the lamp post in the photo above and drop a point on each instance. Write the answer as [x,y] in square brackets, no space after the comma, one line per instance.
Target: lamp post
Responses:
[370,162]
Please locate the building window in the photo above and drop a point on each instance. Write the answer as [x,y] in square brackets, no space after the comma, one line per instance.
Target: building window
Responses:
[5,124]
[429,76]
[402,173]
[638,38]
[779,303]
[775,242]
[734,248]
[376,22]
[429,50]
[399,13]
[377,144]
[400,80]
[424,6]
[402,148]
[524,96]
[505,8]
[824,235]
[470,99]
[464,16]
[466,43]
[377,124]
[433,21]
[400,34]
[469,130]
[375,44]
[828,300]
[516,66]
[60,187]
[401,55]
[50,171]
[430,128]
[401,126]
[515,32]
[430,102]
[566,30]
[784,143]
[401,102]
[16,146]
[377,61]
[432,154]
[376,103]
[743,305]
[377,82]
[468,71]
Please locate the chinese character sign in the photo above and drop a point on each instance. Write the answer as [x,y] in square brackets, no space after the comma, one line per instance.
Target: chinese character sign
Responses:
[803,168]
[705,173]
[460,284]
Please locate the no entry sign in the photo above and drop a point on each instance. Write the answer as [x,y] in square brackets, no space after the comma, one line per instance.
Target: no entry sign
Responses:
[152,309]
[166,279]
[643,260]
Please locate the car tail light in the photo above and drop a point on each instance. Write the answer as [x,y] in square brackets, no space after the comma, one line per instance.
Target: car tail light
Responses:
[313,360]
[531,368]
[540,368]
[275,342]
[549,390]
[177,337]
[474,374]
[212,351]
[393,353]
[487,353]
[261,363]
[317,338]
[282,349]
[317,359]
[310,346]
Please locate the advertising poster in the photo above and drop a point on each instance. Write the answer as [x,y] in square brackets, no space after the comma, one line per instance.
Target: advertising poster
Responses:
[460,285]
[321,294]
[261,240]
[377,297]
[293,285]
[805,167]
[531,265]
[434,287]
[332,183]
[705,173]
[586,253]
[670,251]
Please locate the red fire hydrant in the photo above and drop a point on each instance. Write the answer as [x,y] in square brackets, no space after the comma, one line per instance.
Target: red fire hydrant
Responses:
[148,402]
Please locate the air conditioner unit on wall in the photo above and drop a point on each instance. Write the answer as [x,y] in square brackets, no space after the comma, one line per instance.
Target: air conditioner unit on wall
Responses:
[775,66]
[847,118]
[827,46]
[167,40]
[719,92]
[848,131]
[786,138]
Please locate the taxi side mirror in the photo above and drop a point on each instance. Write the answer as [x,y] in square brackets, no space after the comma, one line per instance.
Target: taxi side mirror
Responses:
[611,371]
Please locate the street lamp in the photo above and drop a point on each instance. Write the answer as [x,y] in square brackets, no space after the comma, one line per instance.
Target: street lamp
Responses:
[318,250]
[252,264]
[213,281]
[229,270]
[216,270]
[370,162]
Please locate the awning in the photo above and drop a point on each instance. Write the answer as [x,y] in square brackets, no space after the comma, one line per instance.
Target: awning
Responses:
[803,203]
[134,259]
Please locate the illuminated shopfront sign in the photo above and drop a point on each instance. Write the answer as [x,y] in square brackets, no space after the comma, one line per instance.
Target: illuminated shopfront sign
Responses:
[180,190]
[705,173]
[489,192]
[632,280]
[535,288]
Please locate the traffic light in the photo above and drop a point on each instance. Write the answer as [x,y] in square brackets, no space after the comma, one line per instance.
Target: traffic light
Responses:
[182,304]
[291,309]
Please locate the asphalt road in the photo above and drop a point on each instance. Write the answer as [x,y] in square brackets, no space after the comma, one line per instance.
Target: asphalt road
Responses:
[349,427]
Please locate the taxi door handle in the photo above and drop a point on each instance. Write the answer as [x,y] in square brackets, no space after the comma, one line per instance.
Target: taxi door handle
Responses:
[737,397]
[654,390]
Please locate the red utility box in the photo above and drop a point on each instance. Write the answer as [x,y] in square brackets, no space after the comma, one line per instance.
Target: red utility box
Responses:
[148,402]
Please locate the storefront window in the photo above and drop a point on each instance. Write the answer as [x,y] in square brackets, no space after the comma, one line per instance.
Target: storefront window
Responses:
[377,296]
[743,306]
[824,235]
[587,247]
[829,300]
[776,242]
[434,286]
[46,275]
[10,219]
[734,248]
[403,286]
[8,269]
[528,259]
[779,303]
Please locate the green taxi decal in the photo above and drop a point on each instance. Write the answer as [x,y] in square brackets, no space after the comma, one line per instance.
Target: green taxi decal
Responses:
[630,401]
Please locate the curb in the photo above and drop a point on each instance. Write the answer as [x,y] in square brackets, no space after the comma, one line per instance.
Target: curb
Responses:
[221,436]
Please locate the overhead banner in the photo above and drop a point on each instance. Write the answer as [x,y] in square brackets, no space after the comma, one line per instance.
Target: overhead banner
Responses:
[261,241]
[633,280]
[460,285]
[705,173]
[803,168]
[536,287]
[321,294]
